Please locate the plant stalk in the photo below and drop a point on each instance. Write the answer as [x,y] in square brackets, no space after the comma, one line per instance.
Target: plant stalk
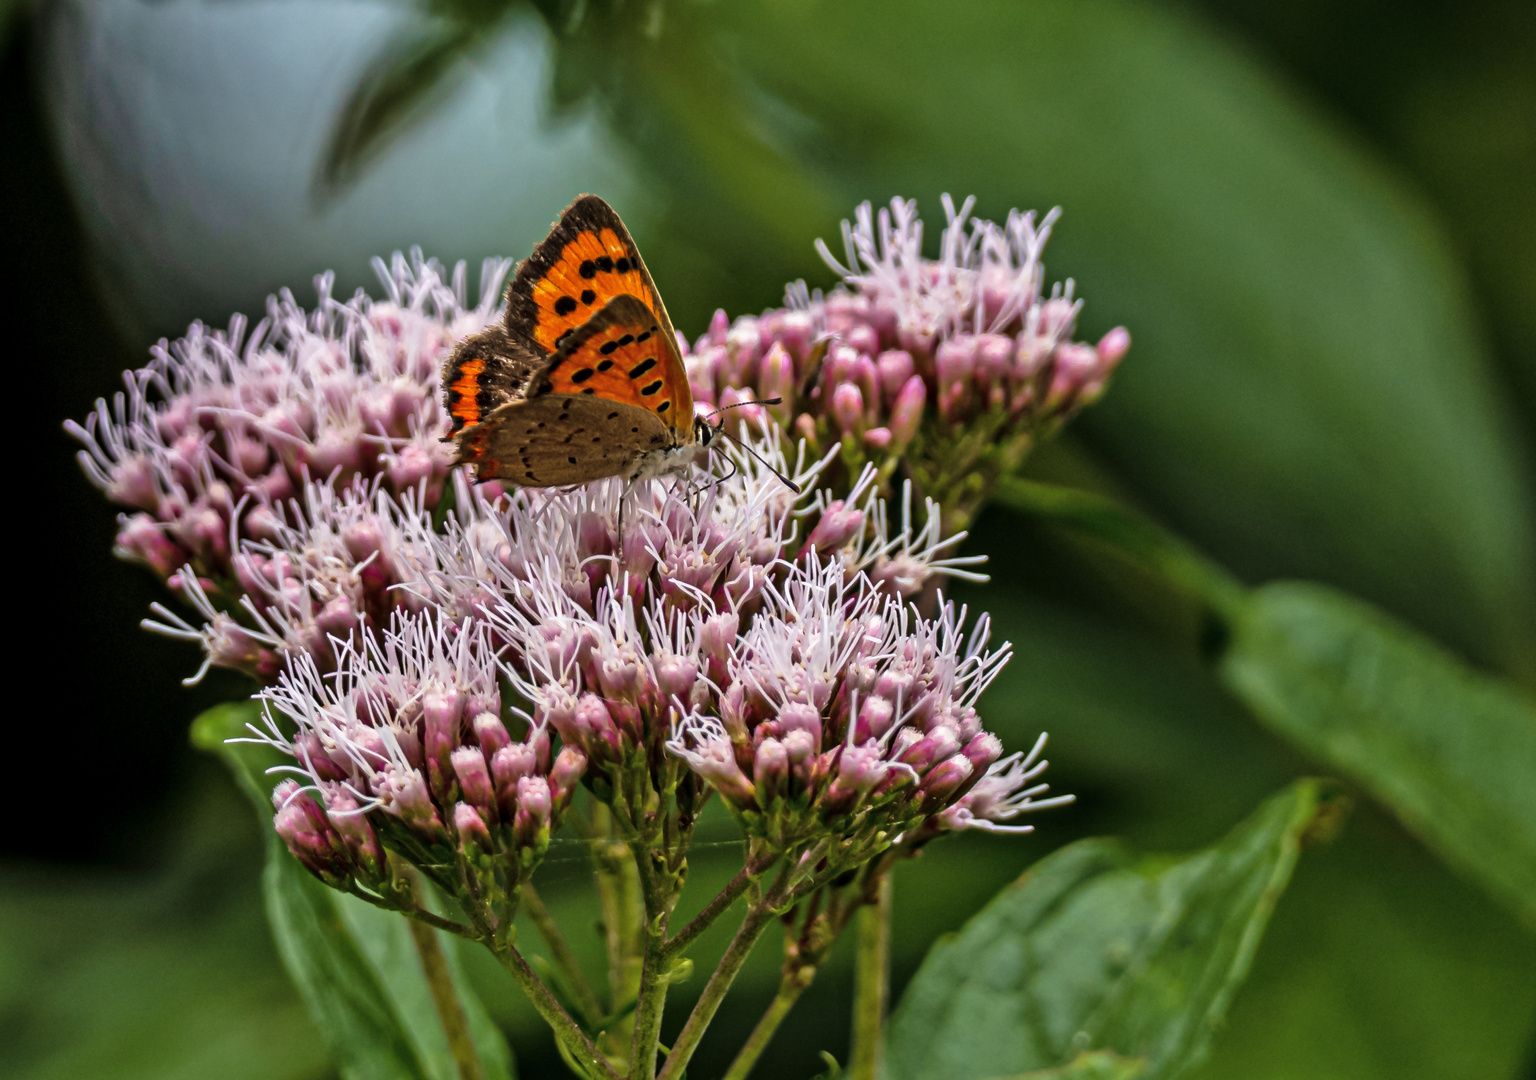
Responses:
[445,998]
[571,1037]
[758,916]
[574,979]
[871,985]
[793,983]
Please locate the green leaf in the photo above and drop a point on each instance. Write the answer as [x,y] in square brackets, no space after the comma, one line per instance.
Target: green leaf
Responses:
[354,965]
[1094,948]
[1451,751]
[1092,1065]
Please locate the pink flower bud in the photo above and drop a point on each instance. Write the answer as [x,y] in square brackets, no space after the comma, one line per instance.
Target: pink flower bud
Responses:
[474,777]
[1112,348]
[848,408]
[335,450]
[719,326]
[877,438]
[945,778]
[675,676]
[470,826]
[798,716]
[717,637]
[770,770]
[907,413]
[776,378]
[490,733]
[356,832]
[801,747]
[859,769]
[1075,364]
[983,750]
[839,524]
[441,713]
[535,806]
[337,618]
[570,766]
[404,794]
[895,368]
[994,362]
[863,337]
[875,717]
[796,329]
[133,483]
[509,765]
[143,538]
[412,465]
[594,729]
[955,364]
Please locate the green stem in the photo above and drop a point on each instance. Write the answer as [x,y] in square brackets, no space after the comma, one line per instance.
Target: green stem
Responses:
[758,916]
[715,908]
[445,998]
[570,1035]
[573,978]
[871,982]
[419,914]
[791,986]
[651,1002]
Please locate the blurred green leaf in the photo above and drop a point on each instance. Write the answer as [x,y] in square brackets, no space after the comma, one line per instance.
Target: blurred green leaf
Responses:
[1382,965]
[1093,1065]
[1451,751]
[1307,395]
[165,972]
[1094,948]
[354,965]
[409,76]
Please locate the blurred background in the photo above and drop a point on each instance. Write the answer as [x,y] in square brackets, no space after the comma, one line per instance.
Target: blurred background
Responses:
[1317,219]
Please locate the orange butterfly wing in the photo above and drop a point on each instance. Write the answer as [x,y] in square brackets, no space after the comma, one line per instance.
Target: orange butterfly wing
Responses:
[587,259]
[622,354]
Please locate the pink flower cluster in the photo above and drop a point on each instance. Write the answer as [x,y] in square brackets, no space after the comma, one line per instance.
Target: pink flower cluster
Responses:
[222,427]
[405,748]
[912,354]
[842,723]
[739,638]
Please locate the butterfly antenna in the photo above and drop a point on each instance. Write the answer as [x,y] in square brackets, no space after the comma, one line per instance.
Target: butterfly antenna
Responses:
[786,481]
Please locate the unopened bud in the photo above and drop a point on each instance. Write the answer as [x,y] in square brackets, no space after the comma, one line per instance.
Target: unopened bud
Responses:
[848,408]
[441,714]
[675,677]
[570,766]
[945,778]
[770,770]
[474,777]
[839,524]
[875,717]
[907,413]
[470,826]
[534,809]
[509,765]
[983,750]
[490,733]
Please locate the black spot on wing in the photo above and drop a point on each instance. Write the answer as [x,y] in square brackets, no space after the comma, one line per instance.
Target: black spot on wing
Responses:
[642,367]
[565,305]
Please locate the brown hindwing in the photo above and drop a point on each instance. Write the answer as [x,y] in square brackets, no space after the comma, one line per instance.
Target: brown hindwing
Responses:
[588,259]
[555,439]
[484,372]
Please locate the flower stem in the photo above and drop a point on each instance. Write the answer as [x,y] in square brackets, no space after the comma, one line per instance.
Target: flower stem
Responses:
[793,983]
[575,980]
[571,1037]
[714,909]
[871,982]
[445,999]
[758,916]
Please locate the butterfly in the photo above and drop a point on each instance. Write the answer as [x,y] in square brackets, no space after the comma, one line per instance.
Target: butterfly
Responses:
[585,379]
